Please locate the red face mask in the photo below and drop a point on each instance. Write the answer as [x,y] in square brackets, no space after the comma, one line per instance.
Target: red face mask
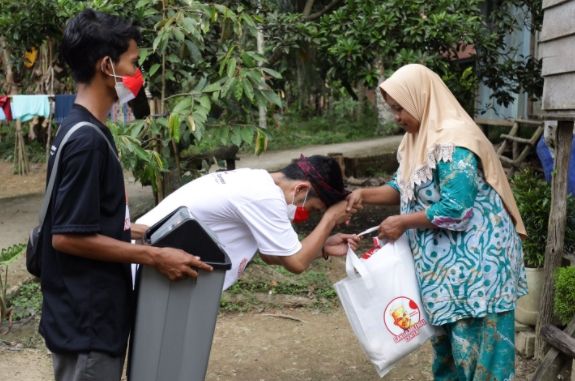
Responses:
[301,215]
[129,86]
[298,214]
[134,82]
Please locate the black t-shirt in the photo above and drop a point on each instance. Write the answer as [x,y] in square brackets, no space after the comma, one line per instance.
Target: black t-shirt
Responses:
[87,303]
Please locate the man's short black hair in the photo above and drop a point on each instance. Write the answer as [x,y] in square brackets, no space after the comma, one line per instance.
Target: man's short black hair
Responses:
[324,174]
[91,35]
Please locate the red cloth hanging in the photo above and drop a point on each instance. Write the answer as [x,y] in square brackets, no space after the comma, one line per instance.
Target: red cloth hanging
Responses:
[5,104]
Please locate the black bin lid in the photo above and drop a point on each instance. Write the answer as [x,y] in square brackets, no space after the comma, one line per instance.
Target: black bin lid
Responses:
[188,234]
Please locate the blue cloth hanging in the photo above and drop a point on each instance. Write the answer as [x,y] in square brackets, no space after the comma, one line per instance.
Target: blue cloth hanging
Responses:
[63,105]
[26,107]
[547,163]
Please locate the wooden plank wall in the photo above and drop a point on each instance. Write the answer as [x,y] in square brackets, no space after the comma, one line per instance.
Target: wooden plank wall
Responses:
[557,49]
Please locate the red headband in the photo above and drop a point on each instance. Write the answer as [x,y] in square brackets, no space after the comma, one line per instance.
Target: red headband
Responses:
[328,194]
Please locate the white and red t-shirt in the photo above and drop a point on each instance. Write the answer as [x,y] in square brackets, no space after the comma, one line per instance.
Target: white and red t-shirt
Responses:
[244,208]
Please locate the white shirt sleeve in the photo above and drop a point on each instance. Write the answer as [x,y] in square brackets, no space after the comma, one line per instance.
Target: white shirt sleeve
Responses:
[268,222]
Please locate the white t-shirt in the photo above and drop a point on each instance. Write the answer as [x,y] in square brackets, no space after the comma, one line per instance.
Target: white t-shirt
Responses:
[244,208]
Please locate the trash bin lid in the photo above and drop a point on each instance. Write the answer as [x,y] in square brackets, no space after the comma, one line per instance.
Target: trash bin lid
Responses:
[180,229]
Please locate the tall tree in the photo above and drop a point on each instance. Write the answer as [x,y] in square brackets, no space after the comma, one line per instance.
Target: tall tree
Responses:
[358,41]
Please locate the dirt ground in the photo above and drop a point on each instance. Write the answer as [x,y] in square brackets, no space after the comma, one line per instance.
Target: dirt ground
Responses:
[283,344]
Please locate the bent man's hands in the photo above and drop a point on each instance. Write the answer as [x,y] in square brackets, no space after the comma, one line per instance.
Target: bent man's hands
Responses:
[336,245]
[177,264]
[340,212]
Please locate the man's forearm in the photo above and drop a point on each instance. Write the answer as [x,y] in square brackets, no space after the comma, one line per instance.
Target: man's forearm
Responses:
[103,248]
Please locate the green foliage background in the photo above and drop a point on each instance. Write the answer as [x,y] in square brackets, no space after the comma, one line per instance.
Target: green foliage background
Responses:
[533,196]
[564,303]
[201,61]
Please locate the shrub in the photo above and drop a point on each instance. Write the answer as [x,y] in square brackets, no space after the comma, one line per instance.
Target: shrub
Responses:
[564,303]
[533,196]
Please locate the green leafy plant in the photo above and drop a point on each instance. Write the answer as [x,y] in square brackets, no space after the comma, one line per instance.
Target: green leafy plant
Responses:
[7,255]
[533,196]
[201,61]
[26,302]
[564,302]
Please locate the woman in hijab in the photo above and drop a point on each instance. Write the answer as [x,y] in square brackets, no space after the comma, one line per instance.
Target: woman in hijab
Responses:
[464,229]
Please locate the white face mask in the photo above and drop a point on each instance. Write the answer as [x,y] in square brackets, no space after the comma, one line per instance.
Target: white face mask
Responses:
[293,209]
[124,95]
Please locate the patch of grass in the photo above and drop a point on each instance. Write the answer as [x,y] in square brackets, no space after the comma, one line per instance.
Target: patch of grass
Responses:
[263,286]
[295,131]
[7,255]
[26,302]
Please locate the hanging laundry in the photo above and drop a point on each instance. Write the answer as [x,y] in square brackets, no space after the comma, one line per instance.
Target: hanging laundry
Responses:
[2,115]
[5,105]
[64,103]
[25,107]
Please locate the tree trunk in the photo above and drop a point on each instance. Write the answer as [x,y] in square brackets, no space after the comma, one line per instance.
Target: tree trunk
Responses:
[384,115]
[6,59]
[361,99]
[302,88]
[262,110]
[555,231]
[307,8]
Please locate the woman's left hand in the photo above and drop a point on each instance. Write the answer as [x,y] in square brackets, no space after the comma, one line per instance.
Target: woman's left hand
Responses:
[392,228]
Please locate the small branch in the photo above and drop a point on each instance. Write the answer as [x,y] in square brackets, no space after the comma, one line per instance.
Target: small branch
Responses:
[325,9]
[190,93]
[282,316]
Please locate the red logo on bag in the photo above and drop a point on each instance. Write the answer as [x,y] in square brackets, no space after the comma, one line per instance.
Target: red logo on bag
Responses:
[375,247]
[402,318]
[242,266]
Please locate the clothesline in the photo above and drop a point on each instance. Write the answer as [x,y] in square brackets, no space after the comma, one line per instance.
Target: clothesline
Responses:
[58,106]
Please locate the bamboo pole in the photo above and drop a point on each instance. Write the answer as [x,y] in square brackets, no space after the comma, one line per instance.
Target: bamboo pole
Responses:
[21,164]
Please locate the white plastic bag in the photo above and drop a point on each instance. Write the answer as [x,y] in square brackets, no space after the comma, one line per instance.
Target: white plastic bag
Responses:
[381,299]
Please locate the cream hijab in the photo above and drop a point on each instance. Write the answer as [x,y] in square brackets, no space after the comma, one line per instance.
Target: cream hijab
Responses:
[444,124]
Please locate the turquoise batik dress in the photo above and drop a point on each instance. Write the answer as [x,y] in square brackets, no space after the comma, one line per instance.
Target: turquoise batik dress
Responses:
[472,264]
[470,269]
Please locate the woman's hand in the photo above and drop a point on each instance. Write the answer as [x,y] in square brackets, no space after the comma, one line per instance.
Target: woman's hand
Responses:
[336,245]
[354,201]
[392,228]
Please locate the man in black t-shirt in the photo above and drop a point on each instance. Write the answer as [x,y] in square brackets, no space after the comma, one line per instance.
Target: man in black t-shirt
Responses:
[86,280]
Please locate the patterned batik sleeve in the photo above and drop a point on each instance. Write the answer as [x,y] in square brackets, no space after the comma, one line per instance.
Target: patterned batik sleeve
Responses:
[458,188]
[393,182]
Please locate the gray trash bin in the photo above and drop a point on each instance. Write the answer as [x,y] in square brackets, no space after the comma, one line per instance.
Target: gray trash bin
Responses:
[175,321]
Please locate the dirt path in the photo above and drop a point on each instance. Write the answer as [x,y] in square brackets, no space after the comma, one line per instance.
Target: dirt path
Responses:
[262,347]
